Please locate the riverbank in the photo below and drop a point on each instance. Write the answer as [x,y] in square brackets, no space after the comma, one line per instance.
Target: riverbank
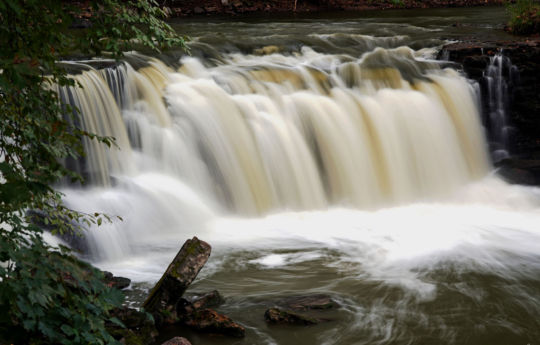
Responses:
[195,8]
[182,8]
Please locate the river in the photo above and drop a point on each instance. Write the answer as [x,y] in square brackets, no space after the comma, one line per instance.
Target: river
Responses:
[316,154]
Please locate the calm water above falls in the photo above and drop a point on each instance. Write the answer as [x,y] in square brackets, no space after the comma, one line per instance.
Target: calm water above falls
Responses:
[325,155]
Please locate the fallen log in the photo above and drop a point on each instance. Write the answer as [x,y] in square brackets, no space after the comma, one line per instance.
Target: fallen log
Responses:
[178,276]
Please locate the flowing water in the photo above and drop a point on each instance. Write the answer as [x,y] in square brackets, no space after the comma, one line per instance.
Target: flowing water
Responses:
[316,155]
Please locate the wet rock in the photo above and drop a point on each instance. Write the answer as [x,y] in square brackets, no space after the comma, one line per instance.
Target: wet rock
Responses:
[116,282]
[209,321]
[209,299]
[520,171]
[184,310]
[267,50]
[178,276]
[198,10]
[177,341]
[131,318]
[280,316]
[319,301]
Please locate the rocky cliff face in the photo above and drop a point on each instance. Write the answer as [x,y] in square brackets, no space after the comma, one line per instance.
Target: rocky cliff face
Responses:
[521,72]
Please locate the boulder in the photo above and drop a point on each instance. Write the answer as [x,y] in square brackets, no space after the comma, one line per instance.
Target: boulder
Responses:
[280,316]
[209,321]
[116,282]
[177,341]
[209,299]
[198,10]
[178,276]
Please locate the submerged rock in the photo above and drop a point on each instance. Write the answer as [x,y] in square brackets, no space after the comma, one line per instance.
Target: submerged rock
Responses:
[178,276]
[177,341]
[210,321]
[319,301]
[280,316]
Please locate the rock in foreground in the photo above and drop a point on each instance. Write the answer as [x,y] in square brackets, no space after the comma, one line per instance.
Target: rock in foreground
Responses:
[209,321]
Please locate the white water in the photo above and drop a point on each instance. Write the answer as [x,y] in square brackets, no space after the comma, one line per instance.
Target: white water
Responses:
[488,225]
[499,74]
[381,159]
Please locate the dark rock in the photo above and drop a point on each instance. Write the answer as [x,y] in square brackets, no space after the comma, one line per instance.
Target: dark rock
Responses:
[520,171]
[198,10]
[279,316]
[209,299]
[178,276]
[184,309]
[131,318]
[177,341]
[310,302]
[116,282]
[209,321]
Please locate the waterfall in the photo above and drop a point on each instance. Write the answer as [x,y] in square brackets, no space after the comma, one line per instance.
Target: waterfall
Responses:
[499,75]
[297,132]
[316,155]
[257,134]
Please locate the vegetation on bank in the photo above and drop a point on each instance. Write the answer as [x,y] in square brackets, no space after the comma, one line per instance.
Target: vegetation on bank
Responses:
[524,17]
[46,295]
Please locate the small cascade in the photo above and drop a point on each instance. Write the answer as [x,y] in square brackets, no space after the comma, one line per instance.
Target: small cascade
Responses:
[121,103]
[499,75]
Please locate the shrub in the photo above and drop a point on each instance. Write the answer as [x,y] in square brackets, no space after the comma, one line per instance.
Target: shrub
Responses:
[524,17]
[46,295]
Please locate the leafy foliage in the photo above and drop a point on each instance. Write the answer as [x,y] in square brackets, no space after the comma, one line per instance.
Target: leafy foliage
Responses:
[524,17]
[46,295]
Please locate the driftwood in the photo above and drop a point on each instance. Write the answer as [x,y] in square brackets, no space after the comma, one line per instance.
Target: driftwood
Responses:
[178,276]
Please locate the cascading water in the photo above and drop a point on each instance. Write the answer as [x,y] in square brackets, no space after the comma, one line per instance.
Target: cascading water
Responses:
[498,75]
[256,134]
[311,169]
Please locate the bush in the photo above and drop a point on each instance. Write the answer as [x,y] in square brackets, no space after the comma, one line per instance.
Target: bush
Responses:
[46,295]
[524,17]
